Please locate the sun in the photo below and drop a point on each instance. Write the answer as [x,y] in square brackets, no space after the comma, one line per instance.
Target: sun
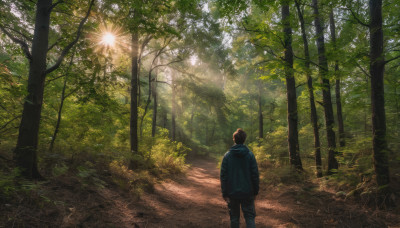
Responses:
[108,39]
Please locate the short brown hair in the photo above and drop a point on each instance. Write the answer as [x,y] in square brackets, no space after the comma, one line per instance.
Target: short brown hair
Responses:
[239,136]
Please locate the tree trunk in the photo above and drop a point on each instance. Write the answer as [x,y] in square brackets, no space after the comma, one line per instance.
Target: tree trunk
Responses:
[164,118]
[260,115]
[271,115]
[396,120]
[294,151]
[377,67]
[147,102]
[326,91]
[342,141]
[25,153]
[53,139]
[155,104]
[191,122]
[314,117]
[173,108]
[134,96]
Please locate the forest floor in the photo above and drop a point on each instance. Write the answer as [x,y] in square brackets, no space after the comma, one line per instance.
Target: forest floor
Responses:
[190,200]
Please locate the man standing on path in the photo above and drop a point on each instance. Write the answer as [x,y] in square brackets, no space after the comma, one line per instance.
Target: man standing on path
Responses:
[240,181]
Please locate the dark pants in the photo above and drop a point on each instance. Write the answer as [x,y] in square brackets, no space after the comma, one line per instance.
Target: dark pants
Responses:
[249,212]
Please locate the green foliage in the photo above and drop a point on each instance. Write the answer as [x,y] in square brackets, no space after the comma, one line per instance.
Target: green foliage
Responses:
[283,176]
[233,65]
[134,182]
[13,186]
[59,169]
[272,151]
[169,157]
[8,187]
[161,155]
[89,175]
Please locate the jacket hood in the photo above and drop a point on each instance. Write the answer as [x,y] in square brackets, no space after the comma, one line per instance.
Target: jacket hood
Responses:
[239,150]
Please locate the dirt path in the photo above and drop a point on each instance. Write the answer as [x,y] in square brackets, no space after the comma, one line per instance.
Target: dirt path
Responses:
[191,200]
[195,201]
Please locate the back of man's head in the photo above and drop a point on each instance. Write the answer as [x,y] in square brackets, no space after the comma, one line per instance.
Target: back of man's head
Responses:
[239,136]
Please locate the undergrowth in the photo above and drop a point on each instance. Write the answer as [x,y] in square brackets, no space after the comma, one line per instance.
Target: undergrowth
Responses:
[96,167]
[355,178]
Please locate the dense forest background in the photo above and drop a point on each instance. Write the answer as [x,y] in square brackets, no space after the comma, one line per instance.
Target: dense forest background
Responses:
[135,88]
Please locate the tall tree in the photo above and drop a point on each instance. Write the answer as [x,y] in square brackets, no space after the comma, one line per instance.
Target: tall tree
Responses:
[313,113]
[342,141]
[25,153]
[260,114]
[134,93]
[326,90]
[60,108]
[144,20]
[154,66]
[155,105]
[292,117]
[377,68]
[173,106]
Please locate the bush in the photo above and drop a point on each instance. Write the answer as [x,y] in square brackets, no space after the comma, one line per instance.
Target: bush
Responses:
[134,182]
[272,151]
[168,156]
[283,175]
[7,185]
[158,157]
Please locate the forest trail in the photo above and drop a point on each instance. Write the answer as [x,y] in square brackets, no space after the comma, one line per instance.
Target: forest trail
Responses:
[188,200]
[195,200]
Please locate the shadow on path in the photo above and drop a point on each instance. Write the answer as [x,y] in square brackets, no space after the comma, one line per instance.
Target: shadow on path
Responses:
[194,200]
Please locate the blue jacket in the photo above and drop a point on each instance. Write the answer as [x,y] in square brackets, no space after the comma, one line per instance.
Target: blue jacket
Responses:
[239,173]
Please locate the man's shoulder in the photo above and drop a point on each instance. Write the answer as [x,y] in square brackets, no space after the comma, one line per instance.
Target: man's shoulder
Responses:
[251,152]
[253,157]
[227,153]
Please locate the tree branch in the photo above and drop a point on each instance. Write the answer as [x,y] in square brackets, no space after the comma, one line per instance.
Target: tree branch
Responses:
[20,33]
[266,32]
[71,92]
[162,65]
[55,4]
[70,45]
[299,85]
[159,52]
[53,79]
[387,61]
[1,106]
[362,69]
[358,19]
[262,61]
[23,44]
[313,63]
[269,50]
[53,45]
[5,125]
[163,82]
[144,44]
